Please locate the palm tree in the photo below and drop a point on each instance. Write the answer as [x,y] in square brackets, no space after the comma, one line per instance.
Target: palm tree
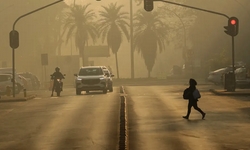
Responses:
[80,22]
[112,25]
[150,35]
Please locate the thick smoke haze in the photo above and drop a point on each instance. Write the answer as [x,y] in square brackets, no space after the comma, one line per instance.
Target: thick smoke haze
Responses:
[204,36]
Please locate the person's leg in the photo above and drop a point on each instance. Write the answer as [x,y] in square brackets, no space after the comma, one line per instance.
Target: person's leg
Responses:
[53,87]
[188,110]
[199,110]
[61,85]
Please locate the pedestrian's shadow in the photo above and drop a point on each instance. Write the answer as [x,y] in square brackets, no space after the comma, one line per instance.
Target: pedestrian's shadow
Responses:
[195,120]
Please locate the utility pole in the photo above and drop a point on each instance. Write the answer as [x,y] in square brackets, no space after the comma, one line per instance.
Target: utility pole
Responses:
[131,40]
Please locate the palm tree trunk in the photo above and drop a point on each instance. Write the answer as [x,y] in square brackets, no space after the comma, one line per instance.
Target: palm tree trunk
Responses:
[149,74]
[84,58]
[117,65]
[60,41]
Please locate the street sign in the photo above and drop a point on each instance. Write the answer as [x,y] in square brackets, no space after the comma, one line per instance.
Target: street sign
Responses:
[44,59]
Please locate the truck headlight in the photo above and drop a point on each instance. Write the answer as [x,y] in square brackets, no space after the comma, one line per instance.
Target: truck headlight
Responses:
[78,80]
[102,79]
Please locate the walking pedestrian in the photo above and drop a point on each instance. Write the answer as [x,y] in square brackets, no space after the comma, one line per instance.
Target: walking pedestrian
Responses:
[192,94]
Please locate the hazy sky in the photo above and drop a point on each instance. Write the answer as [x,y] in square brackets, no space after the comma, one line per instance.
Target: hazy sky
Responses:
[94,1]
[97,3]
[10,10]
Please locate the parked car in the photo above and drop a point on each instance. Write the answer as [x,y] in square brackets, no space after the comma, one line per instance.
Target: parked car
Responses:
[216,76]
[240,73]
[18,79]
[6,81]
[242,78]
[27,84]
[31,79]
[110,80]
[91,78]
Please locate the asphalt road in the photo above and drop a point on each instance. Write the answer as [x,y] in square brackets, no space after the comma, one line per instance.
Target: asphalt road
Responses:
[153,121]
[88,122]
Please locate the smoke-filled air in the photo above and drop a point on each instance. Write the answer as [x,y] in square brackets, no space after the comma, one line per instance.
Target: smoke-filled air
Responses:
[123,36]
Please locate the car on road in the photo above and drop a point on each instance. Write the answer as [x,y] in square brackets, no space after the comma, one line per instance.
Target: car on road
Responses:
[110,80]
[91,78]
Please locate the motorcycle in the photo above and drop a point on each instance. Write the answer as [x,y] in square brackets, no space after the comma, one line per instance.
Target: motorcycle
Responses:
[57,86]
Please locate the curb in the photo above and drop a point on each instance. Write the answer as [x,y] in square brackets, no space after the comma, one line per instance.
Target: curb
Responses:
[225,93]
[20,99]
[123,121]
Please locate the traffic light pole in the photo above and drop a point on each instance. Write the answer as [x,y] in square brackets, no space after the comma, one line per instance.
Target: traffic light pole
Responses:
[234,84]
[13,72]
[13,49]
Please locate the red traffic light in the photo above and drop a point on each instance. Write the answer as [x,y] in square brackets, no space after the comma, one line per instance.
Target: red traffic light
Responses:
[233,22]
[232,27]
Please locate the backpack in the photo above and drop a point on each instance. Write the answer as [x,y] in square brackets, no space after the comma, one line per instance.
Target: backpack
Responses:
[186,93]
[196,94]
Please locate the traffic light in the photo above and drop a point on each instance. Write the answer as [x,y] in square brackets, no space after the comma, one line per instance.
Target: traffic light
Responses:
[232,27]
[148,5]
[14,39]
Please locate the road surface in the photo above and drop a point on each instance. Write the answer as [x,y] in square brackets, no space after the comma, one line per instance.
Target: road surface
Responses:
[153,114]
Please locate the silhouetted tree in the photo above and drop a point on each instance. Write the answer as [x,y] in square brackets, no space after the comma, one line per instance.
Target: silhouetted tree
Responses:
[150,34]
[181,20]
[220,59]
[79,22]
[112,25]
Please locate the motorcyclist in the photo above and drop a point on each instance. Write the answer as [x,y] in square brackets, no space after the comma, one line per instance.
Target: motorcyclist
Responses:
[56,75]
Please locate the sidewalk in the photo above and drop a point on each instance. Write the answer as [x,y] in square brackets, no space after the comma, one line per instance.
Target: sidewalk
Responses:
[18,98]
[237,92]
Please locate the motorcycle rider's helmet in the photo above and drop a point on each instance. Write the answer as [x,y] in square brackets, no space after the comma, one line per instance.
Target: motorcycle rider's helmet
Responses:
[57,69]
